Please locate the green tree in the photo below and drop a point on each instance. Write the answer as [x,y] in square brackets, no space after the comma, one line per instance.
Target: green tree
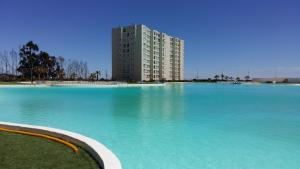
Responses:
[92,76]
[247,78]
[226,78]
[28,59]
[217,77]
[60,67]
[222,76]
[41,65]
[98,74]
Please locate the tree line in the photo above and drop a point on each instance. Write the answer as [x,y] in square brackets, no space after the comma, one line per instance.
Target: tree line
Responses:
[31,63]
[9,62]
[223,77]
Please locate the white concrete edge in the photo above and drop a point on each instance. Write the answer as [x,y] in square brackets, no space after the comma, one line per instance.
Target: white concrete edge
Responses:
[104,157]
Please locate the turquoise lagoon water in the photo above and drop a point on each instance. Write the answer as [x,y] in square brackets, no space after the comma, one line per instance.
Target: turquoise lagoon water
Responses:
[190,126]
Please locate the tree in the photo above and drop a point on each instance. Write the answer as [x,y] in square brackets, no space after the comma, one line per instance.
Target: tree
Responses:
[92,76]
[68,69]
[237,78]
[226,78]
[81,70]
[60,67]
[216,77]
[73,76]
[73,69]
[35,64]
[28,56]
[98,74]
[61,61]
[86,70]
[77,69]
[52,68]
[41,65]
[222,77]
[247,78]
[42,68]
[5,61]
[14,62]
[1,63]
[106,75]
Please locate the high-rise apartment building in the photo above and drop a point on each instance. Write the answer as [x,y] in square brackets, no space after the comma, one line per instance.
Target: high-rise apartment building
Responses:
[142,54]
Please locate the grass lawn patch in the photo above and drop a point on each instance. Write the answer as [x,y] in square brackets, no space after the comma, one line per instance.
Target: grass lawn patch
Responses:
[9,83]
[28,152]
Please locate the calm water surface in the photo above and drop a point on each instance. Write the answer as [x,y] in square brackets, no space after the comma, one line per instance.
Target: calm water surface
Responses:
[191,126]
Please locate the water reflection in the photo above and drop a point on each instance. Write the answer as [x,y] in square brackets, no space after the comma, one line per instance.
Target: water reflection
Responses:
[34,108]
[150,102]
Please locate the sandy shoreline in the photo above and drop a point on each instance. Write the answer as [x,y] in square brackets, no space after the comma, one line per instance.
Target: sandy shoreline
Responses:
[109,85]
[22,86]
[79,85]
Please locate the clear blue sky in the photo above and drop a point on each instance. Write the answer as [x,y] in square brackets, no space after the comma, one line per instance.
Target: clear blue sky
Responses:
[262,36]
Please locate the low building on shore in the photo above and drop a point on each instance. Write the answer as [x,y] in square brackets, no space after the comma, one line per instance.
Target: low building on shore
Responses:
[277,80]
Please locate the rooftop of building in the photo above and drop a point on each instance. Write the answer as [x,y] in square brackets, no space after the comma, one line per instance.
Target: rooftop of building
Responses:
[132,25]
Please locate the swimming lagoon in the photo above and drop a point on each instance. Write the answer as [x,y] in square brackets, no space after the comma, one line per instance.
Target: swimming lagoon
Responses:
[190,126]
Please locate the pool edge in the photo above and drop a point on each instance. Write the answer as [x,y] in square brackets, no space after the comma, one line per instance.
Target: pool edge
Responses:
[103,156]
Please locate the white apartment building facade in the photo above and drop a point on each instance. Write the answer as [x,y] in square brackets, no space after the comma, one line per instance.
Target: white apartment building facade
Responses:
[142,54]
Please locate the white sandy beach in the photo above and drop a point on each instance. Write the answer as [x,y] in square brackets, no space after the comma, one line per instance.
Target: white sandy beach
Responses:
[81,84]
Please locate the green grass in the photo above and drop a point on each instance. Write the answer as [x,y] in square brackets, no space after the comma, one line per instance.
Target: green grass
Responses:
[8,83]
[27,152]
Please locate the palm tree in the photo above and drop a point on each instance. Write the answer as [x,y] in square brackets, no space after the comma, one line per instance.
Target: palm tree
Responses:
[98,74]
[222,77]
[247,78]
[231,78]
[216,77]
[226,78]
[92,76]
